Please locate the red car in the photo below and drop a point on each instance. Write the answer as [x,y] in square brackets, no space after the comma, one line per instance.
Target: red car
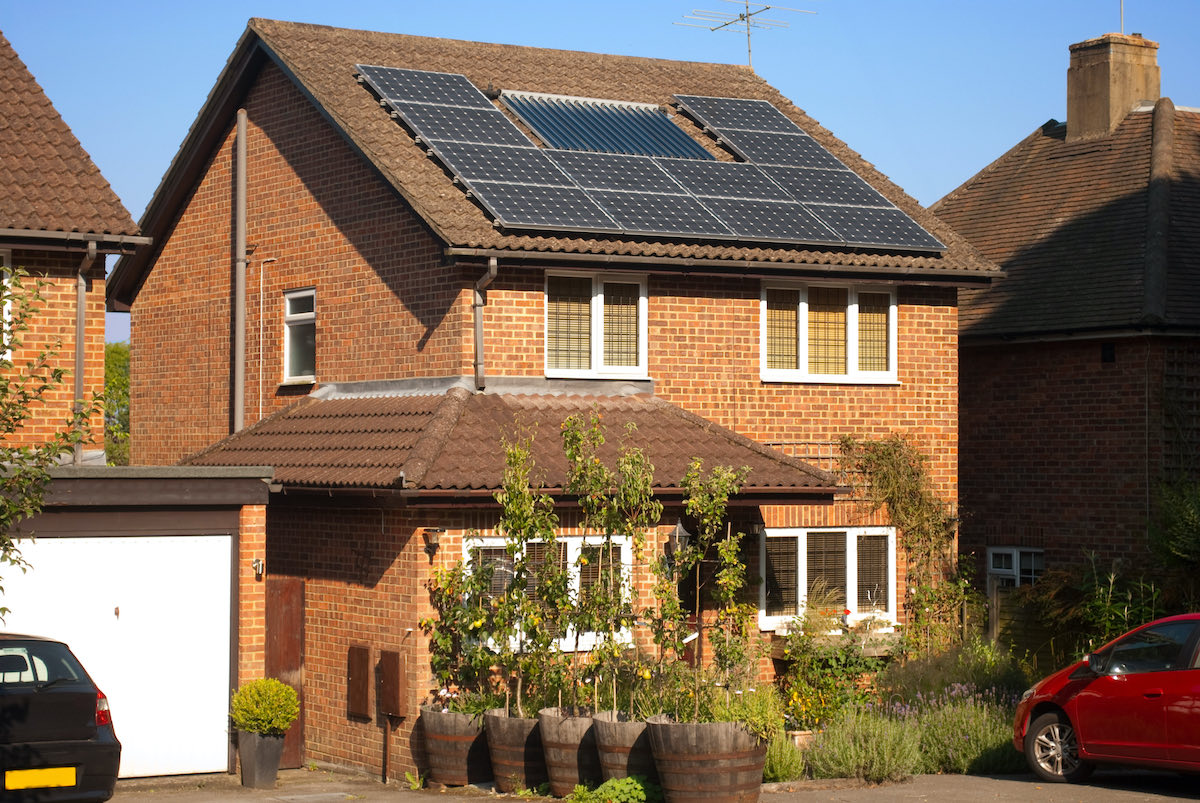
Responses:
[1136,700]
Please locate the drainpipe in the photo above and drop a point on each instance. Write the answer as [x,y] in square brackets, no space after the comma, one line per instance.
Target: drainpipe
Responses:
[477,306]
[238,400]
[80,331]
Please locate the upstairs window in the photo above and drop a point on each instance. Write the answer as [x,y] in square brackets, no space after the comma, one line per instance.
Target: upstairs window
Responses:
[300,337]
[849,569]
[595,326]
[818,333]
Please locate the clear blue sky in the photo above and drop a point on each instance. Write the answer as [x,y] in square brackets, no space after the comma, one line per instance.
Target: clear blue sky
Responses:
[930,91]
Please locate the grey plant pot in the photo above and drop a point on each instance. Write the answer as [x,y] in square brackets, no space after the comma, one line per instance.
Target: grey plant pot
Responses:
[259,757]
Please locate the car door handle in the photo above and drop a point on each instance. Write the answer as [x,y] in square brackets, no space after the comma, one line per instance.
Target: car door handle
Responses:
[1150,694]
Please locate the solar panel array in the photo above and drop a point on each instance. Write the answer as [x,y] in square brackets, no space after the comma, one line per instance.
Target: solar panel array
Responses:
[790,189]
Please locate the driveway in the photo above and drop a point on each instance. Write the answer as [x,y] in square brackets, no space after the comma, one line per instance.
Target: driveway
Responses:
[327,786]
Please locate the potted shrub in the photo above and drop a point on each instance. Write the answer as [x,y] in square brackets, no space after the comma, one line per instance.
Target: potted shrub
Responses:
[452,722]
[262,711]
[524,623]
[733,725]
[590,744]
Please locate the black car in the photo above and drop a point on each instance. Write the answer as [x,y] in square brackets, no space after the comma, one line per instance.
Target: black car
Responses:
[56,733]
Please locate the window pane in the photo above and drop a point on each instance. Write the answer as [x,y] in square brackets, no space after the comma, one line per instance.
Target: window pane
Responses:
[783,318]
[601,572]
[302,349]
[568,322]
[538,554]
[827,330]
[621,324]
[873,589]
[827,568]
[502,567]
[1154,649]
[873,331]
[300,304]
[782,577]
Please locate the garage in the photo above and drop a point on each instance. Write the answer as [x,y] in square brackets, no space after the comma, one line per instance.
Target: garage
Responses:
[145,592]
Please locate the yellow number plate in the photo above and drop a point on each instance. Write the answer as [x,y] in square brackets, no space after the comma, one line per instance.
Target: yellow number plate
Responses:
[38,779]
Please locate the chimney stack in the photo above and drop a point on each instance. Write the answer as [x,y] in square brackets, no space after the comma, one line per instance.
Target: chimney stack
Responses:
[1107,78]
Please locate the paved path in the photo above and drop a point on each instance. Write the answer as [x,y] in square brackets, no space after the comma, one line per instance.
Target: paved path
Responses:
[328,786]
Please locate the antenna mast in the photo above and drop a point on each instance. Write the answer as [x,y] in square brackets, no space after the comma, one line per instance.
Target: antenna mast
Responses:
[747,20]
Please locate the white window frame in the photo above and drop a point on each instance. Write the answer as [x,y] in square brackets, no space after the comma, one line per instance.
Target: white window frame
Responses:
[598,369]
[781,623]
[290,320]
[853,375]
[1014,571]
[574,546]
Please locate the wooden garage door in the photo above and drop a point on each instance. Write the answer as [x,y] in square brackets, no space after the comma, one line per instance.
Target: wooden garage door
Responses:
[149,618]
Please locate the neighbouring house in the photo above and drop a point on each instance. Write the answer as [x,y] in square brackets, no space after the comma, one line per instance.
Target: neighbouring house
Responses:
[132,566]
[1080,369]
[376,257]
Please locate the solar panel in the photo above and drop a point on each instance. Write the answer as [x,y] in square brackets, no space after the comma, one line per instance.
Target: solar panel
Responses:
[776,221]
[872,226]
[447,89]
[723,179]
[460,124]
[585,124]
[657,213]
[799,150]
[824,185]
[532,205]
[474,162]
[739,113]
[615,171]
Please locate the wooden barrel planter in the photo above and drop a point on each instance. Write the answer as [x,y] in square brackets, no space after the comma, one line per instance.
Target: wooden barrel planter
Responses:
[624,746]
[457,747]
[706,762]
[515,747]
[569,745]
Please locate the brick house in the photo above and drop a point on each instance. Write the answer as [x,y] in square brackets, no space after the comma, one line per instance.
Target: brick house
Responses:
[58,219]
[434,255]
[1080,369]
[99,573]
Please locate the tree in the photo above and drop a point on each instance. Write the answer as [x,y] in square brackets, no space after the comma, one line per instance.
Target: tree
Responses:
[25,388]
[116,403]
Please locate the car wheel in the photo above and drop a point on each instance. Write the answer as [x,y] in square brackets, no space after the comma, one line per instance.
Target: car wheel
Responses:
[1052,750]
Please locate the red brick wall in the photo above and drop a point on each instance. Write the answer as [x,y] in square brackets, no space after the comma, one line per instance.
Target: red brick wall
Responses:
[1060,449]
[52,327]
[385,307]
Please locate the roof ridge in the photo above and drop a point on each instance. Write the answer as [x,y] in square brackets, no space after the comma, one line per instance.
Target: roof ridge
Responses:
[1158,212]
[434,436]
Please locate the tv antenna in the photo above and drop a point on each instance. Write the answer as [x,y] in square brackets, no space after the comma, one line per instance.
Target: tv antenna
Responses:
[747,20]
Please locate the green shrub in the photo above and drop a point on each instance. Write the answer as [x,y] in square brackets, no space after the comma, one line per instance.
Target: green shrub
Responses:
[760,710]
[785,761]
[633,789]
[866,744]
[267,706]
[968,736]
[977,663]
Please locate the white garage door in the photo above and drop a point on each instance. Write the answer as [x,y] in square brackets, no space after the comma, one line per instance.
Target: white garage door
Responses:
[149,619]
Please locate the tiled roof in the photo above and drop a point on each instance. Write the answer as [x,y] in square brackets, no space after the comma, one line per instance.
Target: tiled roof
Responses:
[48,182]
[453,442]
[321,60]
[1068,223]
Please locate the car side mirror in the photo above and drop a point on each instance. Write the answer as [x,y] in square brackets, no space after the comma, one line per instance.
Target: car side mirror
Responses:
[1097,663]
